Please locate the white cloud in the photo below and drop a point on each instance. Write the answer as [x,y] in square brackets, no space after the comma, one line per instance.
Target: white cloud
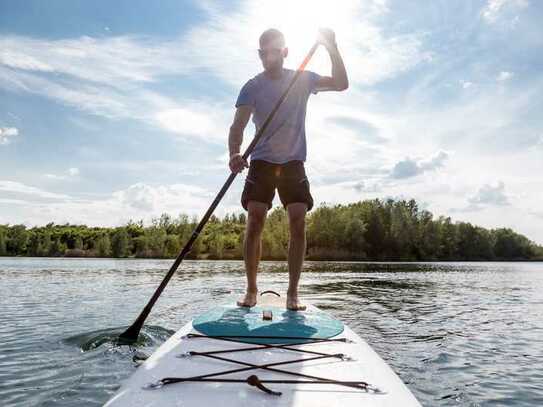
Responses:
[183,121]
[138,201]
[111,60]
[164,198]
[495,8]
[70,173]
[104,77]
[487,196]
[504,76]
[98,99]
[410,167]
[6,134]
[490,195]
[366,130]
[54,176]
[138,196]
[206,122]
[365,186]
[109,76]
[73,171]
[19,189]
[466,84]
[484,122]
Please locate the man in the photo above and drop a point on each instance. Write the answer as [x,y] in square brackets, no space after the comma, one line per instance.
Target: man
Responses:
[277,161]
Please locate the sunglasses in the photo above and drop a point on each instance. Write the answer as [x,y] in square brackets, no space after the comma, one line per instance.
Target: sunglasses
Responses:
[268,51]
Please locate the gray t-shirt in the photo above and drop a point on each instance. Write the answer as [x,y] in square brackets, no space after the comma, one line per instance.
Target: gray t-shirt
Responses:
[284,139]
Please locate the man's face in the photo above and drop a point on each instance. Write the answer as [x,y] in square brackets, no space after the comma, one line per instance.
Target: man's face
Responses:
[272,54]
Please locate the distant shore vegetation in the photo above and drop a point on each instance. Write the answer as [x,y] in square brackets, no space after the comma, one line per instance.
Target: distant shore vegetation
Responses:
[380,230]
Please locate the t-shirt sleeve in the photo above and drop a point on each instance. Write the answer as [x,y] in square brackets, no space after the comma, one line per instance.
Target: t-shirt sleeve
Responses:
[312,81]
[246,95]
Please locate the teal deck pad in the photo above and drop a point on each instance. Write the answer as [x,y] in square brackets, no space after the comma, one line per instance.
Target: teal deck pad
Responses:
[232,320]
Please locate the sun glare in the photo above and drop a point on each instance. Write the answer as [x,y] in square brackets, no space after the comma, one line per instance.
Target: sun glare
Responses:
[300,20]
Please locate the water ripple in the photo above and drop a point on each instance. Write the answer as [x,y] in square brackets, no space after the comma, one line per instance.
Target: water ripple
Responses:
[476,327]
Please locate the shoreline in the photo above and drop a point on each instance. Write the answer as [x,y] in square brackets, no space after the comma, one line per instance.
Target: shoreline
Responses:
[399,261]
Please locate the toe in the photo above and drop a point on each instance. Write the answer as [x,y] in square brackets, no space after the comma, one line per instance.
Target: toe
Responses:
[294,305]
[246,303]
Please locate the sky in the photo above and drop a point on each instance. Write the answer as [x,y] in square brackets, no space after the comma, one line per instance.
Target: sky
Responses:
[111,111]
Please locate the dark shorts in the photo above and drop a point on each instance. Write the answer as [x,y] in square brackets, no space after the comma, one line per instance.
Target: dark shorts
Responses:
[289,179]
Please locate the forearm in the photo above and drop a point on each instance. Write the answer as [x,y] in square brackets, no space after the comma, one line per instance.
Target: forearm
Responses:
[235,138]
[339,74]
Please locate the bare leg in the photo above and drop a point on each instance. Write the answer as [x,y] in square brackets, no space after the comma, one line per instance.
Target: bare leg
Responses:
[252,250]
[296,252]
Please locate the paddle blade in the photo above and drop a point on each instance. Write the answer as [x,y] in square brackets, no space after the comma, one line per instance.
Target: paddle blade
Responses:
[129,336]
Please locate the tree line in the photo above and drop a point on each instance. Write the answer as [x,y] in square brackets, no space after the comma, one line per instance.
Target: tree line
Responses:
[365,230]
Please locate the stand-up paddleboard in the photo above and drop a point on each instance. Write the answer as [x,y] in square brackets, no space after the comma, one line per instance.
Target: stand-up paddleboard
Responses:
[264,356]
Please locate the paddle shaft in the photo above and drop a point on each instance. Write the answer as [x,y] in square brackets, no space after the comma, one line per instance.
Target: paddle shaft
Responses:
[131,334]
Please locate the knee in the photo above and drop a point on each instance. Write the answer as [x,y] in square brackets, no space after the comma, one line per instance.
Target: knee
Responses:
[255,223]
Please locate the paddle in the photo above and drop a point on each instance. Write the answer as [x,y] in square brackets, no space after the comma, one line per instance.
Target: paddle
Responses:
[131,334]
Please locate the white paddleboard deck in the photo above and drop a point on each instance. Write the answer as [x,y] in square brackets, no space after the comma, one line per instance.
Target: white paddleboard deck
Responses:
[367,366]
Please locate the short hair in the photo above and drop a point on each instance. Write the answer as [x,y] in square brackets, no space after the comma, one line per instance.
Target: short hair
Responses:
[270,35]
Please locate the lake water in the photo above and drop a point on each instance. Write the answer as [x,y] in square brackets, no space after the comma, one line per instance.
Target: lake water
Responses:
[459,334]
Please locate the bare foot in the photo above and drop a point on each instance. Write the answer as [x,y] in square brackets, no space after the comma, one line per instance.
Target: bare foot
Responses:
[294,304]
[249,300]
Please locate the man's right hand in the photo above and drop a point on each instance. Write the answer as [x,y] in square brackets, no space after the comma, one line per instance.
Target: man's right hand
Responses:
[237,163]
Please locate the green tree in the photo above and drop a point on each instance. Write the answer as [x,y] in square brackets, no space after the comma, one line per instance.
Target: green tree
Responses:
[402,231]
[320,230]
[34,247]
[45,244]
[58,248]
[512,246]
[103,246]
[166,223]
[275,236]
[3,246]
[467,241]
[353,237]
[119,243]
[171,246]
[17,240]
[156,238]
[378,229]
[198,245]
[141,246]
[448,245]
[375,234]
[134,229]
[78,243]
[216,246]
